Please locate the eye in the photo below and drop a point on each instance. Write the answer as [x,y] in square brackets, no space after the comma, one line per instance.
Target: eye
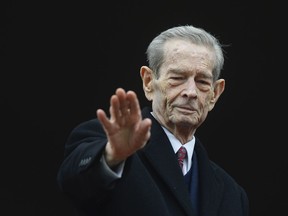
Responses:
[204,79]
[177,78]
[204,82]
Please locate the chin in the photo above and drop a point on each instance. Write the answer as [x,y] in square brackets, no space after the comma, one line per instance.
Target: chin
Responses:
[185,121]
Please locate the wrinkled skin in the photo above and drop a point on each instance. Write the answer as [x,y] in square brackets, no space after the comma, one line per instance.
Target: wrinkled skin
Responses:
[181,97]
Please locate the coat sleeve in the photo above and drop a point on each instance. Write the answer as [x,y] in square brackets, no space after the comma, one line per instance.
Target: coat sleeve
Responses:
[81,175]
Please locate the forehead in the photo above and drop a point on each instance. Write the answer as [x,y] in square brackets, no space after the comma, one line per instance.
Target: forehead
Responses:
[184,53]
[178,47]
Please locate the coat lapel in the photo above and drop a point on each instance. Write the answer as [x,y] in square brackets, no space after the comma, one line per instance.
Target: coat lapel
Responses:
[161,156]
[211,188]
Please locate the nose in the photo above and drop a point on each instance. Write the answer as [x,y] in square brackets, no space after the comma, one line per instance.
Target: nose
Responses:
[189,88]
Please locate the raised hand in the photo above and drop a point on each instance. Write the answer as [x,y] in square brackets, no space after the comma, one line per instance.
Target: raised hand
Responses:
[125,129]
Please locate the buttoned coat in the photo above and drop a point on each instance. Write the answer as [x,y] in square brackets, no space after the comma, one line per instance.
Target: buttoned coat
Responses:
[152,183]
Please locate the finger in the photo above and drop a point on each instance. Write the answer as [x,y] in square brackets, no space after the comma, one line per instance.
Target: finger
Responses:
[114,108]
[102,117]
[123,102]
[144,132]
[134,106]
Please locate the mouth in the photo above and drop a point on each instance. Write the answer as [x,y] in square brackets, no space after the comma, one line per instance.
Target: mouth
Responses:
[185,109]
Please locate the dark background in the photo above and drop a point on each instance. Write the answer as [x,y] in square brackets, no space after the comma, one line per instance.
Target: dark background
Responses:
[60,61]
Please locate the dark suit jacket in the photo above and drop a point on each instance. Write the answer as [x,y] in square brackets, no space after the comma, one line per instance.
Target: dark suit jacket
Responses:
[152,183]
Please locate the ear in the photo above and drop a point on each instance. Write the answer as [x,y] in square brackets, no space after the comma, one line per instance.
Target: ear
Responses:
[147,77]
[219,87]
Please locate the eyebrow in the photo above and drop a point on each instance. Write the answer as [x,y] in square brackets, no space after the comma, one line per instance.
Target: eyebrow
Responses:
[202,74]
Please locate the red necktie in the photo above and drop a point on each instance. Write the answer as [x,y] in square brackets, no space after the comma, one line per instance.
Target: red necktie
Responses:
[181,154]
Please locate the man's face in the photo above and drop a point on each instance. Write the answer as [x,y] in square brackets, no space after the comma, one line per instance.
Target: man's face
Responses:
[182,93]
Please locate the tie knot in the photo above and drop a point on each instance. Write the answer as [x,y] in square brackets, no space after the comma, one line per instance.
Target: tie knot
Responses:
[181,154]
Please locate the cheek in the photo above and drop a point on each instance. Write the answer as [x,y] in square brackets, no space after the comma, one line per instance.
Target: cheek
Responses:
[207,96]
[161,91]
[204,102]
[207,105]
[170,95]
[165,93]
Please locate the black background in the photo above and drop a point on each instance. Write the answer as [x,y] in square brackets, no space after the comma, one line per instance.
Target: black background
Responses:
[61,60]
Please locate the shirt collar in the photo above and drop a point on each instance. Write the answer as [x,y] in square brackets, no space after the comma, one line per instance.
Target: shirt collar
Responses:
[176,144]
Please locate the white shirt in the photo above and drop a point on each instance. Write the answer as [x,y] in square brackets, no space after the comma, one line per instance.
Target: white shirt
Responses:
[176,144]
